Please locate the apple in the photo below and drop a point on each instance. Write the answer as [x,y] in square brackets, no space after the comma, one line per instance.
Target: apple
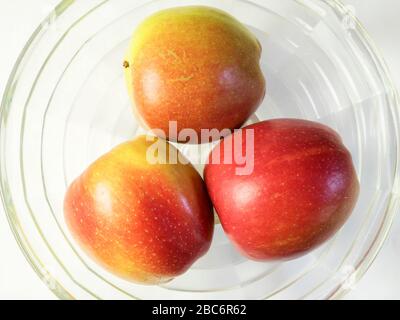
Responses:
[144,221]
[300,191]
[197,66]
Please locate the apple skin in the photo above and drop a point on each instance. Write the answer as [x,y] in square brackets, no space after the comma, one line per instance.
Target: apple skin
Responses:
[144,222]
[302,189]
[194,65]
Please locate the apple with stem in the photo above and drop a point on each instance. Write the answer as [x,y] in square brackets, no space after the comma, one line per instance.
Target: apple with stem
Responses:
[197,66]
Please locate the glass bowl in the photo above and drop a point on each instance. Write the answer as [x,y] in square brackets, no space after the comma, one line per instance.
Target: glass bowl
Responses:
[66,104]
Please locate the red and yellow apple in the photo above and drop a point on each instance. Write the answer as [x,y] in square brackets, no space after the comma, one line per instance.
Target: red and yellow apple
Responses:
[195,65]
[301,190]
[145,222]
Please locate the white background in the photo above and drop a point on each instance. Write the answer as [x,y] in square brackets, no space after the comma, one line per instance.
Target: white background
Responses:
[17,20]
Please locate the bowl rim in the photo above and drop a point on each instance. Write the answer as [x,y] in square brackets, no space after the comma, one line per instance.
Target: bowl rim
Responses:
[340,290]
